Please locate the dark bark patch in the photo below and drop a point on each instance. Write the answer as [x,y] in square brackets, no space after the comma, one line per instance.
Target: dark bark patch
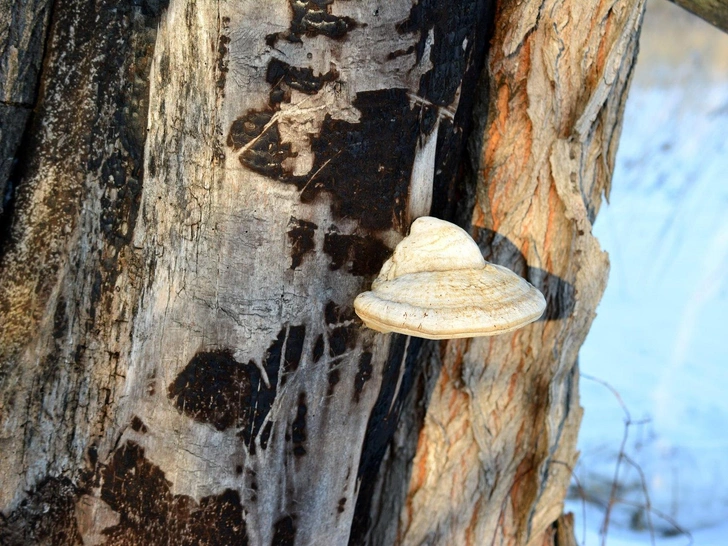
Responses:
[333,378]
[451,24]
[363,256]
[284,531]
[150,514]
[383,423]
[92,455]
[45,516]
[342,339]
[342,505]
[216,389]
[365,166]
[271,40]
[312,18]
[60,320]
[452,195]
[261,400]
[222,56]
[152,165]
[280,73]
[300,235]
[294,349]
[334,314]
[219,520]
[247,127]
[363,374]
[318,348]
[213,387]
[252,474]
[138,425]
[298,428]
[384,416]
[560,294]
[267,154]
[454,181]
[400,53]
[223,51]
[153,9]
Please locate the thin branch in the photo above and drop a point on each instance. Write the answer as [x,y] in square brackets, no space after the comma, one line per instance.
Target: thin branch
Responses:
[613,498]
[714,12]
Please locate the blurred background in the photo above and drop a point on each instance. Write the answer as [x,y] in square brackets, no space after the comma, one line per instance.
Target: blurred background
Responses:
[660,339]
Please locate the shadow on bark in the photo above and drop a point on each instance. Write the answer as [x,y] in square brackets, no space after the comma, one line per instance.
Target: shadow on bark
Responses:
[389,451]
[560,294]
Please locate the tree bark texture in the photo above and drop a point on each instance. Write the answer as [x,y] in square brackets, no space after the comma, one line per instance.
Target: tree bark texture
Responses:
[202,190]
[199,193]
[23,26]
[493,460]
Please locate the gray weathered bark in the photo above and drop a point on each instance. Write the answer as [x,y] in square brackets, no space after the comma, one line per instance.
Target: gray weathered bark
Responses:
[202,190]
[205,190]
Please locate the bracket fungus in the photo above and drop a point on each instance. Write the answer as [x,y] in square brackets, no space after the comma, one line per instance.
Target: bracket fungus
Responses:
[437,285]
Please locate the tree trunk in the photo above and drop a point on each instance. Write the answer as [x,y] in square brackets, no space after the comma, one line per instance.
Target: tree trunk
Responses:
[199,193]
[490,460]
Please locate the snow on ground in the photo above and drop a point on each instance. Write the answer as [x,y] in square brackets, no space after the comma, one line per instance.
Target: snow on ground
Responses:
[588,535]
[661,334]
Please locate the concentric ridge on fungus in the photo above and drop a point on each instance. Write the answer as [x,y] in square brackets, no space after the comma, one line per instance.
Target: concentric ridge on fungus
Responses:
[437,285]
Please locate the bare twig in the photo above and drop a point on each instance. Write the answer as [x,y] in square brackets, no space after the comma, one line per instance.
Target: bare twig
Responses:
[648,504]
[581,494]
[613,498]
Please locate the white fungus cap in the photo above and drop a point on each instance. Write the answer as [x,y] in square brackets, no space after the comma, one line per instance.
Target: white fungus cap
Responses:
[437,285]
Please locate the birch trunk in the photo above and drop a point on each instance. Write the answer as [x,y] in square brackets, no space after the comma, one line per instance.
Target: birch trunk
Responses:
[198,194]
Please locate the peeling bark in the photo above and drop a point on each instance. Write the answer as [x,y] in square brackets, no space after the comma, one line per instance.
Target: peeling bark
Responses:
[492,461]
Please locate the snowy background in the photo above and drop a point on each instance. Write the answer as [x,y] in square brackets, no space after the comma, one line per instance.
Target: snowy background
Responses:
[661,335]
